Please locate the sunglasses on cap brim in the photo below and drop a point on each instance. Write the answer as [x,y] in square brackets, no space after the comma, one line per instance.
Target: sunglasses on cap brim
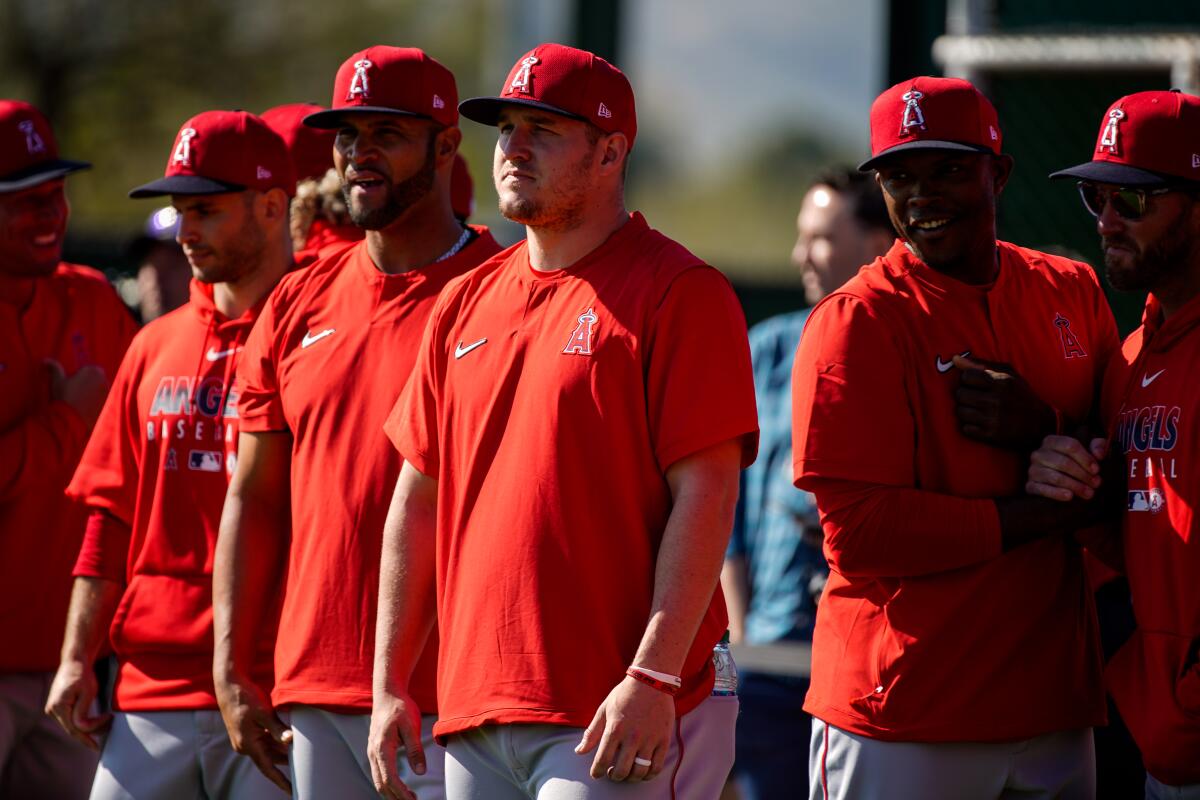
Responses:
[1128,203]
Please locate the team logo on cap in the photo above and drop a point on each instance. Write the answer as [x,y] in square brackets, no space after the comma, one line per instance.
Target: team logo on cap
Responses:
[33,142]
[183,149]
[359,86]
[438,102]
[1109,137]
[520,81]
[580,342]
[913,116]
[603,111]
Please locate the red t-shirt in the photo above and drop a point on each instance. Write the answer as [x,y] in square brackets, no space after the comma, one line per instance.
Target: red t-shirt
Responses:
[1152,404]
[926,630]
[158,463]
[549,406]
[326,362]
[74,317]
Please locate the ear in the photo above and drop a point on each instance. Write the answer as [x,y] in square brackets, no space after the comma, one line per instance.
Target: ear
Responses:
[1002,166]
[614,147]
[446,146]
[274,205]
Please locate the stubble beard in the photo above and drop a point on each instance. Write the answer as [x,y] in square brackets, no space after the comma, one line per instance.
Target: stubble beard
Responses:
[243,255]
[1163,257]
[562,206]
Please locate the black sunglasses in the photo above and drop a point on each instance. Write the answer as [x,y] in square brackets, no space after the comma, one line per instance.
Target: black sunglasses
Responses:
[1130,204]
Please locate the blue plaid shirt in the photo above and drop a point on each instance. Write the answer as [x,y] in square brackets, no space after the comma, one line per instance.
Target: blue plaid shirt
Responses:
[776,528]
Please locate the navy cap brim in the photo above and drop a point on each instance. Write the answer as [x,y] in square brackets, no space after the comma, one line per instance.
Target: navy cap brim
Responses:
[184,184]
[920,144]
[1120,174]
[40,173]
[331,119]
[486,110]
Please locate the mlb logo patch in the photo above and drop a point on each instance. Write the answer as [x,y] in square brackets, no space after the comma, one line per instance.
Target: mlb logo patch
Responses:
[1152,501]
[204,461]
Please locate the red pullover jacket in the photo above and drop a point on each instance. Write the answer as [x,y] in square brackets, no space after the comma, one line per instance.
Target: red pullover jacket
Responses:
[1152,404]
[158,466]
[74,317]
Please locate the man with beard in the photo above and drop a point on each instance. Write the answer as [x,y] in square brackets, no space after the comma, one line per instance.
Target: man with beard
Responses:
[63,331]
[955,652]
[1143,188]
[321,371]
[154,476]
[572,436]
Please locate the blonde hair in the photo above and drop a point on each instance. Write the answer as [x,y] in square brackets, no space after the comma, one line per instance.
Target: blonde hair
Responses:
[317,199]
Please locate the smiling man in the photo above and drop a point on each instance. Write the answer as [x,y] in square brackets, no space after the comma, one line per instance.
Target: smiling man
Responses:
[154,477]
[572,436]
[63,331]
[321,371]
[955,652]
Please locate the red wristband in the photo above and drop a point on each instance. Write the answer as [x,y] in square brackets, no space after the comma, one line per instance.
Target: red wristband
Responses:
[653,683]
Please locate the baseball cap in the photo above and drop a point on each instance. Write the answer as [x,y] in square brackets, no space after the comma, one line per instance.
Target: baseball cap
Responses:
[161,226]
[925,113]
[28,151]
[391,80]
[567,81]
[224,151]
[311,148]
[1145,139]
[462,189]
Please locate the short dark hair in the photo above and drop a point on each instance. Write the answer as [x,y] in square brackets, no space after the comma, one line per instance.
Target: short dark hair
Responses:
[866,198]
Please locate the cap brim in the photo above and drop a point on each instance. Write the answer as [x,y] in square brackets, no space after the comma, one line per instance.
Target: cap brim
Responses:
[331,119]
[486,110]
[184,184]
[1122,174]
[920,144]
[40,173]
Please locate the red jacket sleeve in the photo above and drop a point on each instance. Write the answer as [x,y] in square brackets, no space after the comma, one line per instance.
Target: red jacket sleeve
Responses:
[105,549]
[43,444]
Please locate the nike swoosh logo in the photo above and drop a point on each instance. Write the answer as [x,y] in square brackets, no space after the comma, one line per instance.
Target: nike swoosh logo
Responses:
[1149,379]
[216,355]
[946,366]
[311,338]
[460,350]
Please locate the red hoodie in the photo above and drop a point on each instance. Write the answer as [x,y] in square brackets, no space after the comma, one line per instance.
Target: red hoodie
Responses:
[1152,406]
[74,317]
[158,465]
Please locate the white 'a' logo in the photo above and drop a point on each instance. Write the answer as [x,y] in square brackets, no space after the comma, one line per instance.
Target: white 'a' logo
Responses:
[359,87]
[521,79]
[580,342]
[913,117]
[183,150]
[33,142]
[1109,137]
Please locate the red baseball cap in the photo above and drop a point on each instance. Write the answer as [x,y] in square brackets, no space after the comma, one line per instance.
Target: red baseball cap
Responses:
[567,81]
[391,80]
[1145,139]
[224,151]
[462,189]
[28,151]
[311,149]
[926,113]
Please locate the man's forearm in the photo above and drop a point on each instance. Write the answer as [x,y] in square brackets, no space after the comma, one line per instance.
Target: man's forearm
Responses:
[94,601]
[704,492]
[407,602]
[247,567]
[735,587]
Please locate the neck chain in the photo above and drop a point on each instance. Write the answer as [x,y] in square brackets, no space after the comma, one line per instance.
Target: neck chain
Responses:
[453,251]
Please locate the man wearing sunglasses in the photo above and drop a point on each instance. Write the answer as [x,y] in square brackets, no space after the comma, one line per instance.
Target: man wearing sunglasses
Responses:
[1143,187]
[955,652]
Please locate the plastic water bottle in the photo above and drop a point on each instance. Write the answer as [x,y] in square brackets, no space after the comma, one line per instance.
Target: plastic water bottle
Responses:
[726,682]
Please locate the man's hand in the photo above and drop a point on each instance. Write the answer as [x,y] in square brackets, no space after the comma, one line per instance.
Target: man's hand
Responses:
[995,405]
[395,722]
[1063,468]
[254,729]
[84,391]
[634,721]
[70,700]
